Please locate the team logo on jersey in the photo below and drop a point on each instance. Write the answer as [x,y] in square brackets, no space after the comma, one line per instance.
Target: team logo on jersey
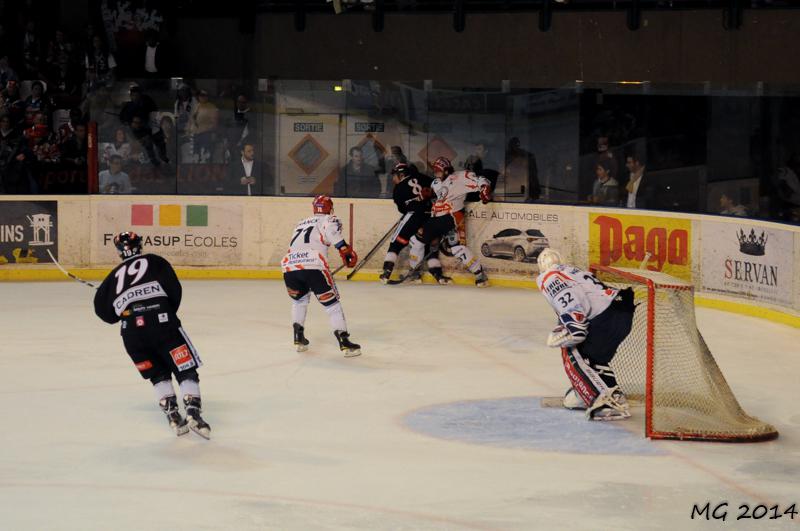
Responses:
[163,318]
[182,357]
[140,320]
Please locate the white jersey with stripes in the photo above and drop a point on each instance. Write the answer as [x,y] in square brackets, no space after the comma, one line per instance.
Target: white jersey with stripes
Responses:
[308,248]
[451,192]
[576,295]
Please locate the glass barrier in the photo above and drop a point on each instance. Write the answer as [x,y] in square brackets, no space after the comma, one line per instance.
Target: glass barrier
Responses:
[685,148]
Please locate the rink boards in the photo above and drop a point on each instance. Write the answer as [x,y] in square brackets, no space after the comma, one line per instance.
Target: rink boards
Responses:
[736,264]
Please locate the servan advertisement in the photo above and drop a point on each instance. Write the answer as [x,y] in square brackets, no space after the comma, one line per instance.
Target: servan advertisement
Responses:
[748,261]
[183,233]
[509,238]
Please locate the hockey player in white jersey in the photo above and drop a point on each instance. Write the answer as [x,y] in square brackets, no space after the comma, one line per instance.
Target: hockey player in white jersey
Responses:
[305,269]
[447,217]
[593,320]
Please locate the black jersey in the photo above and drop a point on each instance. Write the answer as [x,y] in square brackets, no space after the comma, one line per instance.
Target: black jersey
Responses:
[407,194]
[143,291]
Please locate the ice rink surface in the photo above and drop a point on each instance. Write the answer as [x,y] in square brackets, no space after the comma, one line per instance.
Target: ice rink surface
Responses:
[435,426]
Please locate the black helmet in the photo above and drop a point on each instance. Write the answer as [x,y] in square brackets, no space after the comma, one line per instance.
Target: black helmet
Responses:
[403,170]
[128,244]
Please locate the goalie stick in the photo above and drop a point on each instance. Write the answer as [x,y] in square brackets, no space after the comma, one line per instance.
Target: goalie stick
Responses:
[70,275]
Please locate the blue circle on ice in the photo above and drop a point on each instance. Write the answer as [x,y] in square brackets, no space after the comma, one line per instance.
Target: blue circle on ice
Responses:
[521,423]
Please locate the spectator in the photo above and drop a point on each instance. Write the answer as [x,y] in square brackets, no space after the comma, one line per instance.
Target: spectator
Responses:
[606,188]
[8,133]
[521,167]
[73,150]
[154,57]
[185,104]
[37,131]
[6,72]
[148,143]
[36,102]
[101,61]
[60,51]
[12,100]
[787,185]
[728,207]
[31,50]
[114,180]
[167,127]
[15,172]
[242,129]
[604,155]
[641,192]
[66,131]
[360,178]
[140,105]
[120,147]
[243,174]
[203,124]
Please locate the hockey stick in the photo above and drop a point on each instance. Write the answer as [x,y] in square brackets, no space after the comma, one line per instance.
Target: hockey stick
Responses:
[415,269]
[70,275]
[372,251]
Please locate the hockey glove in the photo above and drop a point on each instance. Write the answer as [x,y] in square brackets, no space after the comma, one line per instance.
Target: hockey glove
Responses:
[426,193]
[349,256]
[486,194]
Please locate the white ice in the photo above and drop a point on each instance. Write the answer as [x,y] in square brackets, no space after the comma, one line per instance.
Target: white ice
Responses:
[317,441]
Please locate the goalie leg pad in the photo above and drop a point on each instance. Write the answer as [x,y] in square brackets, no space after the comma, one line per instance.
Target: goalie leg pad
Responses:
[584,379]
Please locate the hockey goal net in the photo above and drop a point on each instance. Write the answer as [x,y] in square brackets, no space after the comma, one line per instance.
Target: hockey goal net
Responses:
[665,363]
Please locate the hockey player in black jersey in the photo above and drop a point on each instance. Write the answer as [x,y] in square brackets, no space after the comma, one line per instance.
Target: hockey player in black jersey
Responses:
[412,195]
[144,293]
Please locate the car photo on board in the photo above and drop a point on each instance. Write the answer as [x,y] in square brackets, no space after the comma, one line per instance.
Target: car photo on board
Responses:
[521,246]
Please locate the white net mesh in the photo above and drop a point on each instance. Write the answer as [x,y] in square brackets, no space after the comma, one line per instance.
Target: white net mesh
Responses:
[690,397]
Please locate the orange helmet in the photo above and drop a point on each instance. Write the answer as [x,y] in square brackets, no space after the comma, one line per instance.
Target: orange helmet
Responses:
[322,204]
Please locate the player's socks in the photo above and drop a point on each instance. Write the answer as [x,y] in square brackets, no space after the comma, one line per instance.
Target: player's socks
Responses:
[169,405]
[349,348]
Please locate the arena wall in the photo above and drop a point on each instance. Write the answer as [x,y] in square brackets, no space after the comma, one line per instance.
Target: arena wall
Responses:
[736,264]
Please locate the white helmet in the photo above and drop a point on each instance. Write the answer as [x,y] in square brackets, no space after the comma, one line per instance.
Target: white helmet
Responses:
[548,259]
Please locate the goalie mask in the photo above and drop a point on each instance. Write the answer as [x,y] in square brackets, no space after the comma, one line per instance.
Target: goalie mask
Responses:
[548,259]
[322,204]
[128,244]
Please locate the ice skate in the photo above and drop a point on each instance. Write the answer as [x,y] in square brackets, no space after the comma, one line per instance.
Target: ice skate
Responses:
[481,280]
[384,278]
[349,348]
[169,405]
[440,277]
[196,423]
[414,277]
[611,405]
[300,341]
